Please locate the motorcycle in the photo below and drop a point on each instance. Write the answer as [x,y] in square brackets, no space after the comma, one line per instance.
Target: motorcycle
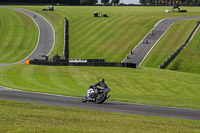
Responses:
[94,94]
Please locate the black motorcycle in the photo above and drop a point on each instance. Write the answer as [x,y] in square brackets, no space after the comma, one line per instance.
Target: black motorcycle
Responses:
[94,94]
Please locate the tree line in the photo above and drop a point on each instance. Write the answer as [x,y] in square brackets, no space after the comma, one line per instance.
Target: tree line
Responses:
[93,2]
[170,2]
[105,2]
[69,2]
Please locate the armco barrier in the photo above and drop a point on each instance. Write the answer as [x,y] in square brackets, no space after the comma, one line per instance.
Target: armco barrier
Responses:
[173,55]
[94,64]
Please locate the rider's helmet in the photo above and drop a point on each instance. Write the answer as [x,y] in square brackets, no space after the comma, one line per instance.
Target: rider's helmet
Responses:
[102,80]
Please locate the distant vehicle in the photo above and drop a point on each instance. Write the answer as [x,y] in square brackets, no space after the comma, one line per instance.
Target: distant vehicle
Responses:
[96,95]
[176,6]
[50,8]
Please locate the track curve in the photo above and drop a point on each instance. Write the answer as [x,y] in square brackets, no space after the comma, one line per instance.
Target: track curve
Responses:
[46,36]
[44,46]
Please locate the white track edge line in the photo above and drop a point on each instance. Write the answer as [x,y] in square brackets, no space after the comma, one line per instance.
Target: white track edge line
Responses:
[147,35]
[49,24]
[37,40]
[155,44]
[38,34]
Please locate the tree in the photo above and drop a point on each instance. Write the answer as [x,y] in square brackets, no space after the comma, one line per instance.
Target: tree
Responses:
[198,3]
[88,2]
[105,1]
[143,1]
[116,2]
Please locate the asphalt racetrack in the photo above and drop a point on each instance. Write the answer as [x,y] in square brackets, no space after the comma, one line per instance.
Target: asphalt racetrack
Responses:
[119,107]
[45,45]
[140,52]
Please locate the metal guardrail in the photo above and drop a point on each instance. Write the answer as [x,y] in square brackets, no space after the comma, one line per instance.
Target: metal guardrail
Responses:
[173,55]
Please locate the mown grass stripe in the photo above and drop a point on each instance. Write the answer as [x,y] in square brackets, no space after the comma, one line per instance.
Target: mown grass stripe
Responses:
[7,33]
[92,33]
[20,36]
[104,40]
[16,41]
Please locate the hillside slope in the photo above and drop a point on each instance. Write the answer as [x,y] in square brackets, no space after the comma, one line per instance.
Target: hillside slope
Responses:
[146,86]
[18,36]
[188,59]
[110,38]
[169,43]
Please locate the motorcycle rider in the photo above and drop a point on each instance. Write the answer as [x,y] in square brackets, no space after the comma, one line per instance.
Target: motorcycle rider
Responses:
[101,84]
[97,87]
[97,92]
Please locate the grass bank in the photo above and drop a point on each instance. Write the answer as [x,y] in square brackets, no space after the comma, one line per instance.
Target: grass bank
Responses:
[169,43]
[145,86]
[110,38]
[18,36]
[26,118]
[188,59]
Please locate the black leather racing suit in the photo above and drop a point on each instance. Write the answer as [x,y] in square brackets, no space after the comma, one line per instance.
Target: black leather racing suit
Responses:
[101,85]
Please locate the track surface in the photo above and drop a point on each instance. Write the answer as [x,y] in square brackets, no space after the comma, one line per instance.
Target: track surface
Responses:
[127,108]
[142,49]
[45,45]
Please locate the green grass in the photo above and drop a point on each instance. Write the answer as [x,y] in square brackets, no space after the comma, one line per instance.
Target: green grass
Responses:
[26,118]
[169,43]
[110,38]
[18,36]
[145,86]
[188,59]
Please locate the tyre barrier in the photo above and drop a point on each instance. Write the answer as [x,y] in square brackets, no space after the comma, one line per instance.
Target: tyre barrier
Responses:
[173,55]
[93,64]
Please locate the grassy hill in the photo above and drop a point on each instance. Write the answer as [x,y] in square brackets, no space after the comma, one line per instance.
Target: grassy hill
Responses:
[169,43]
[145,86]
[188,59]
[110,38]
[18,36]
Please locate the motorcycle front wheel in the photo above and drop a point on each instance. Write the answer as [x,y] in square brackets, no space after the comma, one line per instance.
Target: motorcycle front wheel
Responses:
[84,99]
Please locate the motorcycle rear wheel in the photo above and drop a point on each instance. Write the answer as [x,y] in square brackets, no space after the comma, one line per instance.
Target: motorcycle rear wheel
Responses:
[101,98]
